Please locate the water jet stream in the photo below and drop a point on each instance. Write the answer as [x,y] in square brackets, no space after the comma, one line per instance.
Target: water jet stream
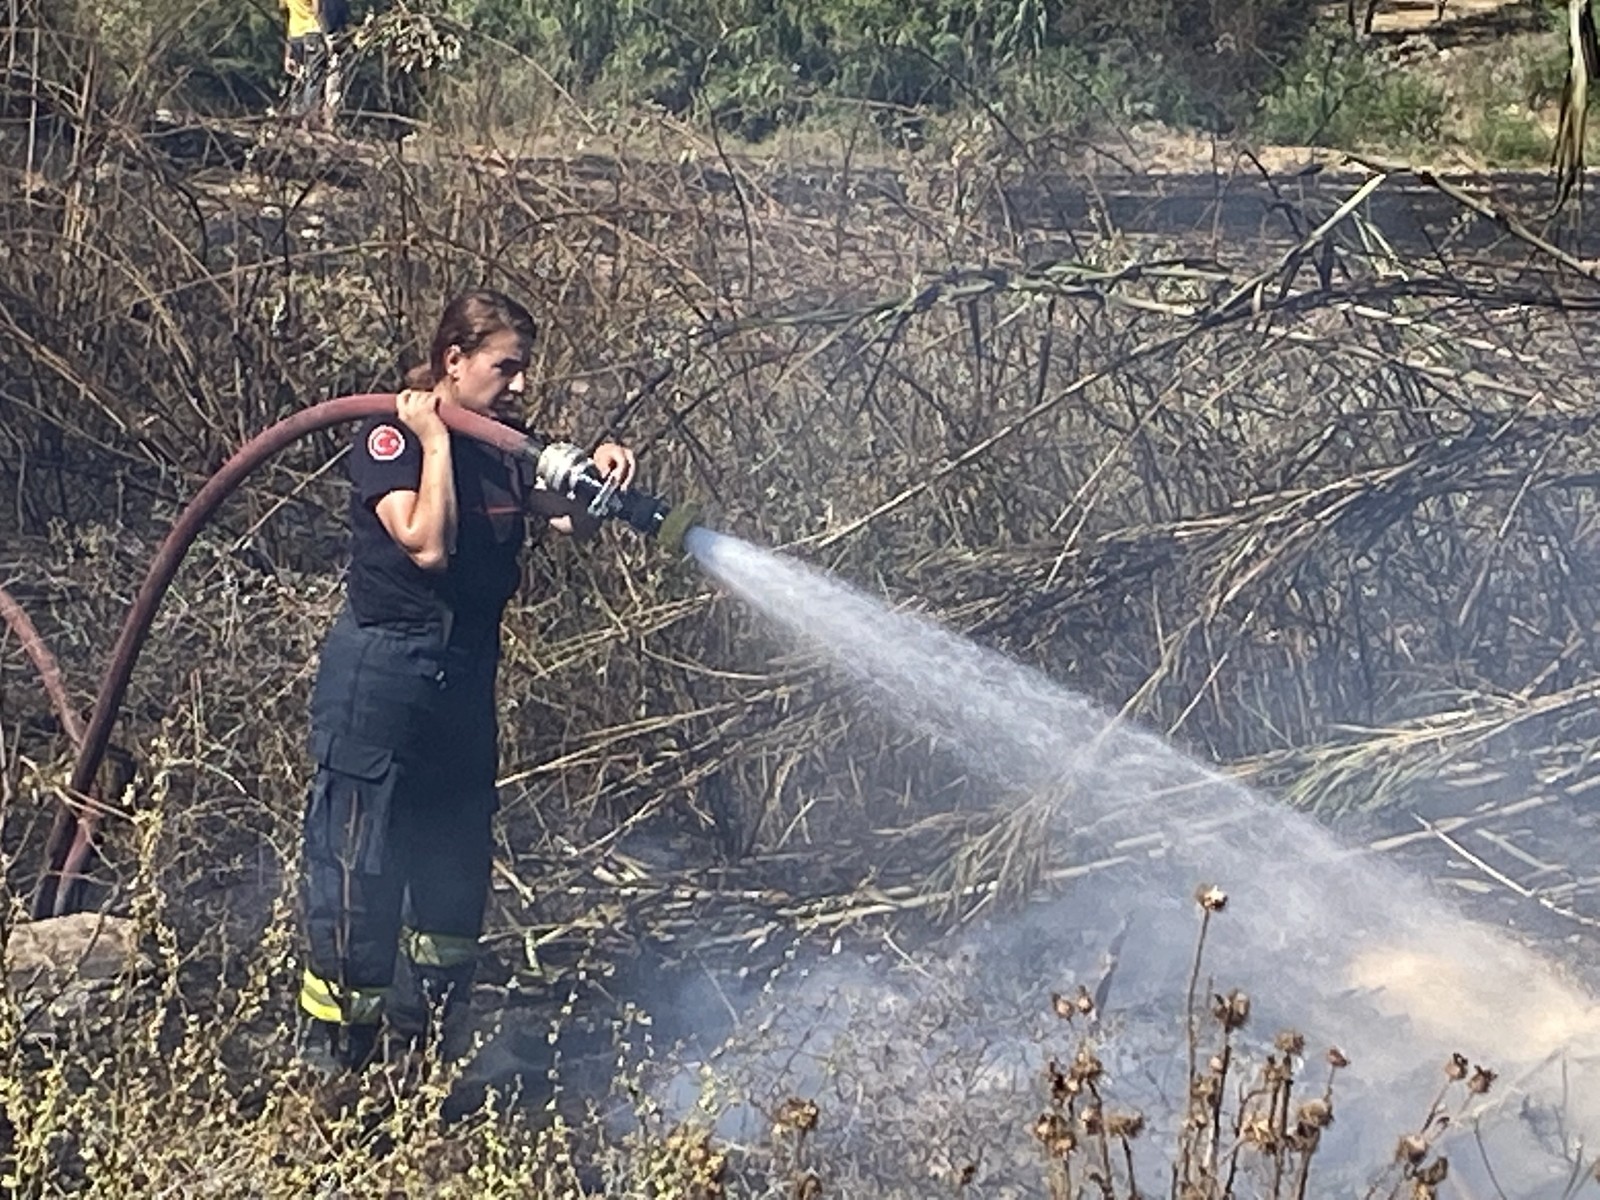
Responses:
[1343,945]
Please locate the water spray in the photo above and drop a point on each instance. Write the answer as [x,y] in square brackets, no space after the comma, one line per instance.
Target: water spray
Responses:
[1343,944]
[558,466]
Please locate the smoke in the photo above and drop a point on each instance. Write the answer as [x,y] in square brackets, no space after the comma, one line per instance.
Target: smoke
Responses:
[1336,943]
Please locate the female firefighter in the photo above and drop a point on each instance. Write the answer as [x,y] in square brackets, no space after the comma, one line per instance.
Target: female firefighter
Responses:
[397,827]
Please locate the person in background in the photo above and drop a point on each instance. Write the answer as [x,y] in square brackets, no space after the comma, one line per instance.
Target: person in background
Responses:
[311,59]
[397,844]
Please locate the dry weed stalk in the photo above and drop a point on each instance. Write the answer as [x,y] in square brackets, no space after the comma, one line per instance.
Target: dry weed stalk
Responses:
[1264,1121]
[1237,1137]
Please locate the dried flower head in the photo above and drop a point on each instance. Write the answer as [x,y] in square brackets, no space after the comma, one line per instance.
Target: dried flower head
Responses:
[1239,1007]
[797,1114]
[1482,1080]
[1211,898]
[1456,1068]
[1290,1042]
[1259,1131]
[1083,1002]
[1336,1058]
[1086,1067]
[1063,1006]
[1232,1010]
[1093,1121]
[1061,1087]
[1125,1125]
[1314,1114]
[1412,1149]
[1433,1174]
[808,1187]
[1052,1130]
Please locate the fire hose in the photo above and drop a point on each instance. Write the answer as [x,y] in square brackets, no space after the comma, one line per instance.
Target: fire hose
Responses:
[45,664]
[558,466]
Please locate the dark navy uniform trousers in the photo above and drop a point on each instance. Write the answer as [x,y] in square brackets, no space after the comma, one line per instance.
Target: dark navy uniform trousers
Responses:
[397,831]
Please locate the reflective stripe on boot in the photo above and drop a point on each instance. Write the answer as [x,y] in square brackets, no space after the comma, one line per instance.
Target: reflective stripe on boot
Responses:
[327,1001]
[433,983]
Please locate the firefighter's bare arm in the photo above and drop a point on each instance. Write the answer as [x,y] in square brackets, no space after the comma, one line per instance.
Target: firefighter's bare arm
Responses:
[423,522]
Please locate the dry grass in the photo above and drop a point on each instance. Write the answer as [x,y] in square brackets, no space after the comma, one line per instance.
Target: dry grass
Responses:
[1321,508]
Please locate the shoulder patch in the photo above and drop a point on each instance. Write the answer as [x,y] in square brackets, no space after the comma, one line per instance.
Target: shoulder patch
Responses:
[385,443]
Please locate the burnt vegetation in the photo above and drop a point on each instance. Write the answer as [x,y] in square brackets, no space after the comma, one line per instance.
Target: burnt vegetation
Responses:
[1316,502]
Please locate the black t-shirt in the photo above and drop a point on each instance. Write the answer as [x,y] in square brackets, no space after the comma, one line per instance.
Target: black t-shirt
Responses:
[386,587]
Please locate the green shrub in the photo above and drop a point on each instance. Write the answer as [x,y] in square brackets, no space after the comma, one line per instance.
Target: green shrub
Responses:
[1508,136]
[1542,65]
[226,58]
[1061,90]
[756,65]
[1338,93]
[1541,61]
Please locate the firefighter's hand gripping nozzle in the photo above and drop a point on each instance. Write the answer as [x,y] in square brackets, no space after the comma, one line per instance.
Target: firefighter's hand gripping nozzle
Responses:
[564,468]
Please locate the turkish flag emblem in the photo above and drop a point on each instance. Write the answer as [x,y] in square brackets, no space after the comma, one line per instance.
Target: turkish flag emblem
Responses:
[385,443]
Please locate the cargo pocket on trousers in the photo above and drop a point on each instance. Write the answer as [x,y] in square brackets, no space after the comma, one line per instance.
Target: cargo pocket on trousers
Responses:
[352,797]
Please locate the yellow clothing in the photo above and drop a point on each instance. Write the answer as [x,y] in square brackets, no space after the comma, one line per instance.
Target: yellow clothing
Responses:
[302,17]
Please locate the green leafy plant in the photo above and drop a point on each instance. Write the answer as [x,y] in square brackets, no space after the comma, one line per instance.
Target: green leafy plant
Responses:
[1337,92]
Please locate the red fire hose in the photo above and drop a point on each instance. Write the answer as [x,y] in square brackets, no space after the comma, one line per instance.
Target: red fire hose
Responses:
[72,835]
[45,663]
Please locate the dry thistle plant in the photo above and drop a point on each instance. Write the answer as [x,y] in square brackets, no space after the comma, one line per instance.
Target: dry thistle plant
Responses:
[1225,1134]
[1246,1132]
[1419,1168]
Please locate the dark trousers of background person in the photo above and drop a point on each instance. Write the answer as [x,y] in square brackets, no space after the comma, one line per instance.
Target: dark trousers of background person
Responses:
[315,86]
[398,842]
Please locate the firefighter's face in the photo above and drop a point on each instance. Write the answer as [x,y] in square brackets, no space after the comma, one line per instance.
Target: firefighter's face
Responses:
[492,379]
